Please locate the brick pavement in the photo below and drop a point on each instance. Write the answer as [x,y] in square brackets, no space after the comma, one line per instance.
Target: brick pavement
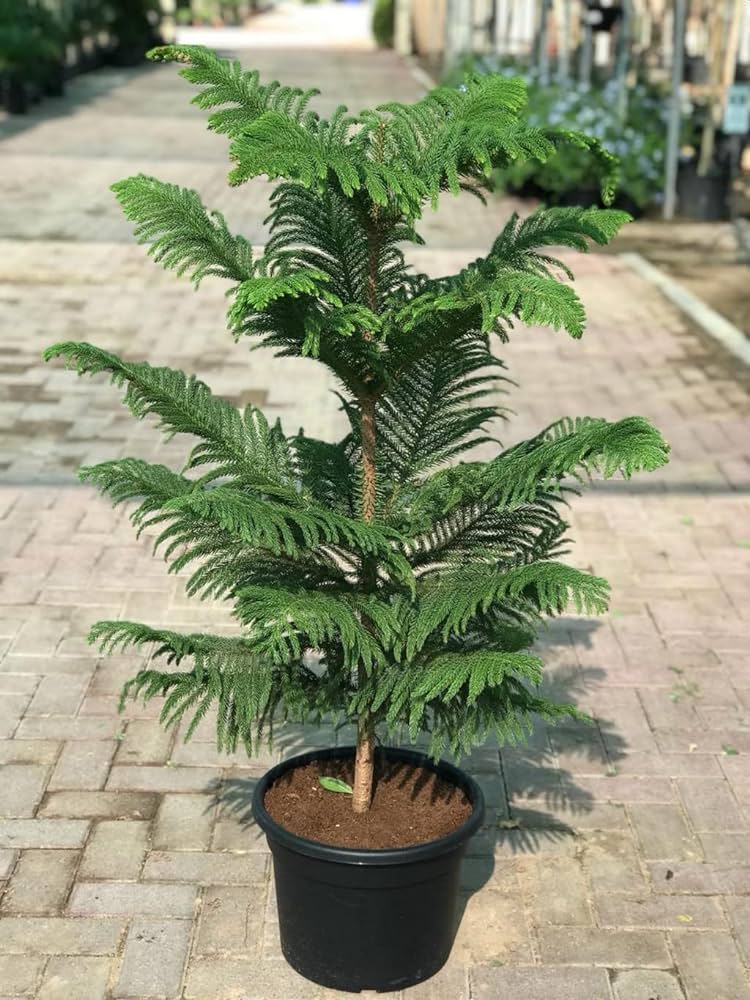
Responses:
[615,863]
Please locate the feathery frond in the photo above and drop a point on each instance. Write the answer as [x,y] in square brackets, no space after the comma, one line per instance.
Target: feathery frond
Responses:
[420,582]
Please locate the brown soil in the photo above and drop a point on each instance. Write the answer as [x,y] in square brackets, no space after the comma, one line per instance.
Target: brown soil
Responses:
[409,806]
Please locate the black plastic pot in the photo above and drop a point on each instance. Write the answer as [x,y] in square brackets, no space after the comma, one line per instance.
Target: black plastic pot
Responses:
[367,919]
[54,81]
[15,94]
[703,198]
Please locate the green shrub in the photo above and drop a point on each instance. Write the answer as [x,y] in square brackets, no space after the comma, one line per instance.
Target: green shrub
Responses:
[422,583]
[382,23]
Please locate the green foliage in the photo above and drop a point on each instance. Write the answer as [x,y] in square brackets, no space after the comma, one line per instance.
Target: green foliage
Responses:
[383,17]
[425,612]
[32,38]
[182,235]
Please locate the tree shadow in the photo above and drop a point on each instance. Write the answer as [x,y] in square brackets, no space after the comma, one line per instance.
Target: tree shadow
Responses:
[81,89]
[541,798]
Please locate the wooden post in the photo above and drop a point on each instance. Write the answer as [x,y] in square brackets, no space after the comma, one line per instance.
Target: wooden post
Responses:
[402,28]
[562,18]
[675,110]
[622,61]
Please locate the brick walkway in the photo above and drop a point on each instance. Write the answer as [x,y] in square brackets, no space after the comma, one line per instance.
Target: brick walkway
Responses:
[615,864]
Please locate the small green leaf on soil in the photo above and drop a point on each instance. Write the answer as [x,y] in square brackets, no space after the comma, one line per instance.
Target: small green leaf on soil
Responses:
[335,785]
[687,520]
[729,750]
[744,543]
[684,918]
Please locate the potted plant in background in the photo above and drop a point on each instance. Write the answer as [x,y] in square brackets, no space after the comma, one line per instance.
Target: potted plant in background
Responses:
[135,26]
[420,582]
[32,54]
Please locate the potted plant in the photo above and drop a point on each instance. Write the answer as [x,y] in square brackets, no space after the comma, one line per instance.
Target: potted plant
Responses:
[420,582]
[32,51]
[135,25]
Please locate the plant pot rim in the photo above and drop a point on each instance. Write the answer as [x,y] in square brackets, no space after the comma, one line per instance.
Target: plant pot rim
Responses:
[370,856]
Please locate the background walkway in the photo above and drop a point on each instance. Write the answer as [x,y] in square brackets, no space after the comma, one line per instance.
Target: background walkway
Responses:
[616,859]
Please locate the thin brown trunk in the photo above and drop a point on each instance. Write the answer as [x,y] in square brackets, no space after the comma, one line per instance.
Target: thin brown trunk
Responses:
[364,766]
[364,763]
[368,458]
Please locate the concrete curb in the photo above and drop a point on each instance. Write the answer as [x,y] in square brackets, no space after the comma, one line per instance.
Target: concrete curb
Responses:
[704,316]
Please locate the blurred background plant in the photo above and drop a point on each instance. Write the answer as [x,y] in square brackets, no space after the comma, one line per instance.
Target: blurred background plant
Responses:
[32,52]
[635,133]
[41,43]
[383,22]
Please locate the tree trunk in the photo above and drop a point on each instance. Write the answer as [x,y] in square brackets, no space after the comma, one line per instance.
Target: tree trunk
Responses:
[364,762]
[364,766]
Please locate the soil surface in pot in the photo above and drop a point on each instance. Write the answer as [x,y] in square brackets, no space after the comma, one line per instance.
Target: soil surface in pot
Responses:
[410,805]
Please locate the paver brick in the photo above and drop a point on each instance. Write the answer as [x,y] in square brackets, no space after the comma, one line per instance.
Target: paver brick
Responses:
[21,789]
[161,779]
[231,920]
[11,711]
[231,834]
[106,805]
[47,665]
[709,966]
[738,908]
[646,984]
[663,832]
[154,959]
[66,727]
[206,868]
[226,979]
[20,973]
[59,936]
[726,848]
[492,928]
[686,877]
[619,910]
[59,694]
[83,764]
[556,890]
[7,862]
[28,751]
[40,882]
[184,822]
[612,863]
[130,898]
[50,833]
[711,805]
[535,983]
[612,948]
[115,850]
[146,742]
[80,978]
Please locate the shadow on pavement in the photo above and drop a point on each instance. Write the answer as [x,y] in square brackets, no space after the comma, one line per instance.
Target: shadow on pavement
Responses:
[80,91]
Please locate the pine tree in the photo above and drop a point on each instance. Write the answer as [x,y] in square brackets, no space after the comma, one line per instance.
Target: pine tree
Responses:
[421,580]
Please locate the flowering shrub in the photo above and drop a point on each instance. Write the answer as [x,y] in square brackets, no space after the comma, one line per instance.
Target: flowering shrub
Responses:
[567,177]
